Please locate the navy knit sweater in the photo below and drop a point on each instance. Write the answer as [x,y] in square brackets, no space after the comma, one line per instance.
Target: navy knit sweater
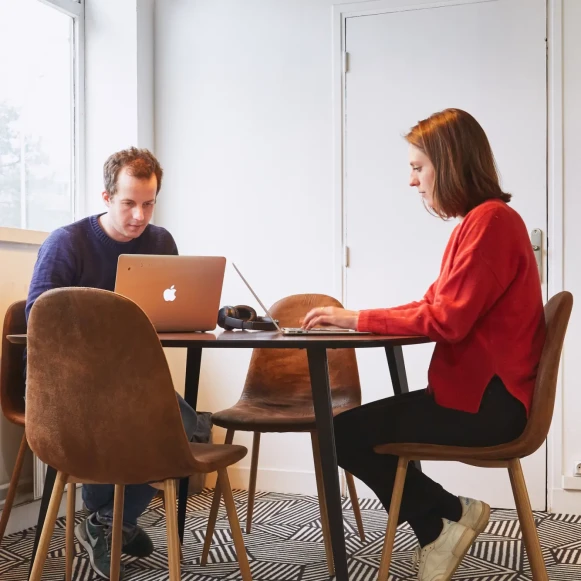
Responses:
[81,254]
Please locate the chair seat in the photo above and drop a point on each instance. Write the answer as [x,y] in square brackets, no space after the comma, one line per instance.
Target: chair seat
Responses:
[16,417]
[274,415]
[212,457]
[497,456]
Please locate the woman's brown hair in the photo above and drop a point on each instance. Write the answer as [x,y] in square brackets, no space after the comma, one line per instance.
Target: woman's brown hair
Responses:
[465,170]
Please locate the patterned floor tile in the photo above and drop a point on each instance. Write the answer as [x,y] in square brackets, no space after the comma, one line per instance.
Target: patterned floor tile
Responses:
[286,544]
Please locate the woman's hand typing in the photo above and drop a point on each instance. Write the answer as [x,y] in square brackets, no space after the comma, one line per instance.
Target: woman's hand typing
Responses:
[331,316]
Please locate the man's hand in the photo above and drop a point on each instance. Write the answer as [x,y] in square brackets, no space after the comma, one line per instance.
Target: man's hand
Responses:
[331,316]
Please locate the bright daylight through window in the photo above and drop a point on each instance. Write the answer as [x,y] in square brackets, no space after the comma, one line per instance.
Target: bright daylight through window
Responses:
[37,115]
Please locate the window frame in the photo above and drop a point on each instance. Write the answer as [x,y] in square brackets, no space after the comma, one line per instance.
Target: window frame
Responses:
[76,10]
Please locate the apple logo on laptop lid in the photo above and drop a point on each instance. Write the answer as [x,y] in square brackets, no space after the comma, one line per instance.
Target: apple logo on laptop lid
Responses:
[169,294]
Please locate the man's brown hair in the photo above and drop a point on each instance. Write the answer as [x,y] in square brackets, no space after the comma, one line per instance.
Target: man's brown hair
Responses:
[465,170]
[139,163]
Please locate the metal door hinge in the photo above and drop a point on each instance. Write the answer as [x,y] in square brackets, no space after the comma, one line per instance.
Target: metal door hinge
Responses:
[345,62]
[346,256]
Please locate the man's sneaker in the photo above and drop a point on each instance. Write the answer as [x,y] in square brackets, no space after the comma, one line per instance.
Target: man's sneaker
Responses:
[136,543]
[96,538]
[475,514]
[439,560]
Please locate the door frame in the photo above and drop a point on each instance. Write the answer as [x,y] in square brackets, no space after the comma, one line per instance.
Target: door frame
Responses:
[553,253]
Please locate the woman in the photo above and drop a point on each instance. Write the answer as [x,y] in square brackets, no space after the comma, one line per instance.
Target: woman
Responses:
[485,314]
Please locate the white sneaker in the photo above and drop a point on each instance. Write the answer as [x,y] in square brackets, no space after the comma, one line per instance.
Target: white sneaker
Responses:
[475,514]
[439,560]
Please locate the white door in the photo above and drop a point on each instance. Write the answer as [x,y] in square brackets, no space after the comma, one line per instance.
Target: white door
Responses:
[488,58]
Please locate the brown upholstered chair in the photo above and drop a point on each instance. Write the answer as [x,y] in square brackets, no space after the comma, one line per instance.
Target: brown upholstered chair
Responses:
[277,397]
[557,313]
[101,408]
[12,395]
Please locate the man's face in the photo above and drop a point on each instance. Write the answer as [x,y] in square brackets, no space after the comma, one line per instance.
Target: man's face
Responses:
[131,208]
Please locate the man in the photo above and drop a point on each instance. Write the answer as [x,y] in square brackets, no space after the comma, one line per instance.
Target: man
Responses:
[85,254]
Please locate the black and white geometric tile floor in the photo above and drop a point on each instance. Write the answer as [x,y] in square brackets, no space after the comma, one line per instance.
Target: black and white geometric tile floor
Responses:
[286,544]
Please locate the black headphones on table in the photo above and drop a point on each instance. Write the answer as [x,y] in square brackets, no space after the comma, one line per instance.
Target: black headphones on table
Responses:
[243,317]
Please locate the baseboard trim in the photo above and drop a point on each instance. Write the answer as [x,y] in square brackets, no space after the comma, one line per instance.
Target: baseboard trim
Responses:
[571,482]
[565,501]
[25,515]
[288,481]
[23,491]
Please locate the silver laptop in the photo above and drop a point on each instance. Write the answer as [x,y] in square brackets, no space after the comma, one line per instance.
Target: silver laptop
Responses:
[177,293]
[299,330]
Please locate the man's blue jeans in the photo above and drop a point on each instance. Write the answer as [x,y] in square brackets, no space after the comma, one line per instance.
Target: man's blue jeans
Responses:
[98,498]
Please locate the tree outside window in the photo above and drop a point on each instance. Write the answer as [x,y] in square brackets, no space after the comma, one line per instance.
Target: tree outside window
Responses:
[37,97]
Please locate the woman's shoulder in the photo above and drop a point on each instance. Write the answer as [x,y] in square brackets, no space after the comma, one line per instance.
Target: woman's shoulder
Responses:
[493,226]
[493,207]
[493,214]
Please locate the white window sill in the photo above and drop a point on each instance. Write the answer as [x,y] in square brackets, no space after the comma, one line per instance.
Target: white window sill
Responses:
[18,236]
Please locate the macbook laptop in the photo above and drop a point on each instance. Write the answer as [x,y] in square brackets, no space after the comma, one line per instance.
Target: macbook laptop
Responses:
[299,330]
[177,293]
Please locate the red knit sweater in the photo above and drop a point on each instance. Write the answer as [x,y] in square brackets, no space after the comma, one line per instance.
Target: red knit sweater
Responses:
[485,311]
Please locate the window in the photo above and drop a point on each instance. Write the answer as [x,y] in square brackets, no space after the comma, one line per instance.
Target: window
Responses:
[40,44]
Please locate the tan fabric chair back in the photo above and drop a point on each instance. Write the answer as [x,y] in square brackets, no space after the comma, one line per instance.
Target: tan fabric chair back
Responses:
[100,400]
[283,374]
[557,314]
[12,366]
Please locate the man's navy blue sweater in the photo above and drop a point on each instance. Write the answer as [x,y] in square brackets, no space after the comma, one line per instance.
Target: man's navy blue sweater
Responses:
[81,254]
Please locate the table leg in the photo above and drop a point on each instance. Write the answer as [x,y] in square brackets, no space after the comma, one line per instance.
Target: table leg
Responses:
[399,378]
[319,372]
[396,364]
[193,364]
[49,480]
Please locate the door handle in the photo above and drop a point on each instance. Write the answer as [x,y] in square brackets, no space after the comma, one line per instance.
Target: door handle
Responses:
[537,243]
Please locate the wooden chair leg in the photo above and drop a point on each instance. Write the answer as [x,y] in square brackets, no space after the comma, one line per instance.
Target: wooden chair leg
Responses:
[165,508]
[234,524]
[211,523]
[173,540]
[117,540]
[48,528]
[252,484]
[229,436]
[13,486]
[527,521]
[214,510]
[355,504]
[322,504]
[402,467]
[70,530]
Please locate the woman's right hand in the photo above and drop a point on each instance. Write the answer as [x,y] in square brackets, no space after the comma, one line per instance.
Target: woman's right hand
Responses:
[331,316]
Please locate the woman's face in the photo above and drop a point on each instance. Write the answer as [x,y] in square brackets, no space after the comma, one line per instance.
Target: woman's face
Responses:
[422,175]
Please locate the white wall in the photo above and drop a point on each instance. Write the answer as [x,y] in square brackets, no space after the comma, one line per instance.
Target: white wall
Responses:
[111,88]
[244,129]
